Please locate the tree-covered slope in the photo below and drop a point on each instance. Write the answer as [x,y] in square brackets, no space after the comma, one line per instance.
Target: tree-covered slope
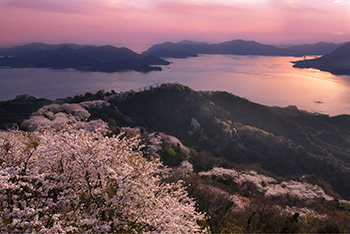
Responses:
[285,141]
[224,129]
[249,168]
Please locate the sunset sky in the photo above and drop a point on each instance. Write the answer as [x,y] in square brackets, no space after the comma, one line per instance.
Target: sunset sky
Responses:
[140,23]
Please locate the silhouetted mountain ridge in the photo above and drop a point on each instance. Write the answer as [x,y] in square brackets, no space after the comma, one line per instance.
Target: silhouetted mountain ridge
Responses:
[319,48]
[335,62]
[188,42]
[88,58]
[35,47]
[237,47]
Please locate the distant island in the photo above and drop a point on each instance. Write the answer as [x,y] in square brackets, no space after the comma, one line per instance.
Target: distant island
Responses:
[112,59]
[82,58]
[336,62]
[185,48]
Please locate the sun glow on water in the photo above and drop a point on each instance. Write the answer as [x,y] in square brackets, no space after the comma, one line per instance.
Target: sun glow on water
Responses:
[267,80]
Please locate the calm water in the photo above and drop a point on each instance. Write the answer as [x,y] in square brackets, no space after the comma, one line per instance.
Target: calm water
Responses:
[266,80]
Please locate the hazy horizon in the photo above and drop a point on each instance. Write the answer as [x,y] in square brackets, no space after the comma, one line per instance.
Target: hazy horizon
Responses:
[143,47]
[139,24]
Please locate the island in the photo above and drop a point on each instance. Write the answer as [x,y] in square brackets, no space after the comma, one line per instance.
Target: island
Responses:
[82,58]
[186,48]
[336,62]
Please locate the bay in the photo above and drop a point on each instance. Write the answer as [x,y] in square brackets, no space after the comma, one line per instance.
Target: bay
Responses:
[267,80]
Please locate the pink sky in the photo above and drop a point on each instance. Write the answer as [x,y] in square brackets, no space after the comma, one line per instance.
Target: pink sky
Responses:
[138,24]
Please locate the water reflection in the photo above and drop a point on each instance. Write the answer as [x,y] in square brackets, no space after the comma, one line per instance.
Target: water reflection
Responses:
[273,81]
[267,80]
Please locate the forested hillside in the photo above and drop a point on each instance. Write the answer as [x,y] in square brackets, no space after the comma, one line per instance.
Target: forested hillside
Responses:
[249,167]
[284,141]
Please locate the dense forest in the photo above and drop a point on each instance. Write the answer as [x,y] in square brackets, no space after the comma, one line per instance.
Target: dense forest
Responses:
[248,167]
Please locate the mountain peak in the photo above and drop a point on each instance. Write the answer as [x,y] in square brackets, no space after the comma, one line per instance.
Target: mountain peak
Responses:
[65,48]
[188,42]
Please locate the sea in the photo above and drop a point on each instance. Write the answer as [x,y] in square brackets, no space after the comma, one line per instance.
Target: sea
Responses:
[268,80]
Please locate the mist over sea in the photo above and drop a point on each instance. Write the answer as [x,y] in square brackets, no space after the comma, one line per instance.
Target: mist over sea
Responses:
[267,80]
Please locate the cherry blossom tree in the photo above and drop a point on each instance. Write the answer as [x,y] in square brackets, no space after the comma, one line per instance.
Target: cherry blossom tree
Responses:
[76,179]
